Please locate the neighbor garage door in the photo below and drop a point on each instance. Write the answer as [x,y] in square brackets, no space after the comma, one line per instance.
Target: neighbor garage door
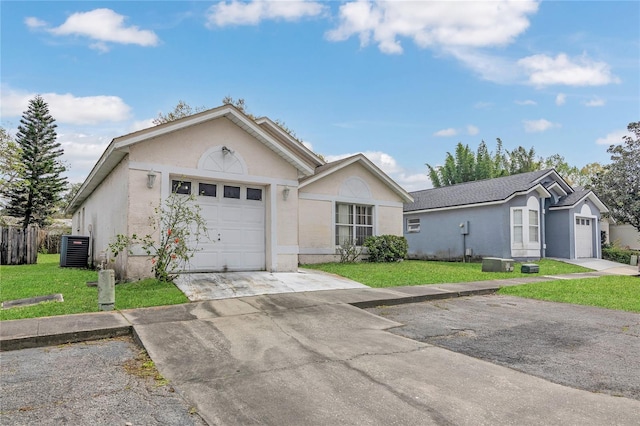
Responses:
[235,218]
[584,237]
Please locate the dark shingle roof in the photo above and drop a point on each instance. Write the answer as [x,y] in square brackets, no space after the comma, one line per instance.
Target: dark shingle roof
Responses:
[482,191]
[572,198]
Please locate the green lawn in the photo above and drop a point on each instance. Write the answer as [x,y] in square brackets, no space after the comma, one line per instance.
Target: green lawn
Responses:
[46,277]
[611,291]
[416,272]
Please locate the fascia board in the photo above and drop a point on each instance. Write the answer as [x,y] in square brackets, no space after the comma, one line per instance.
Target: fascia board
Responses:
[591,196]
[303,148]
[370,167]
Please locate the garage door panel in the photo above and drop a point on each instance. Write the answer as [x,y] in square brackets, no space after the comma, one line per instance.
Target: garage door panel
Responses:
[584,237]
[236,228]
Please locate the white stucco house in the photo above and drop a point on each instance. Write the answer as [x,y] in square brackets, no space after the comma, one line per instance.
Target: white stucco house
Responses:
[269,202]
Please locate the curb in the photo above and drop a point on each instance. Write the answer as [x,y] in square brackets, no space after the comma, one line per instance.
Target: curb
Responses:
[29,342]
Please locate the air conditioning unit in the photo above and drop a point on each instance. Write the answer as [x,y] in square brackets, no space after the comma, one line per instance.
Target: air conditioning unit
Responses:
[74,251]
[497,264]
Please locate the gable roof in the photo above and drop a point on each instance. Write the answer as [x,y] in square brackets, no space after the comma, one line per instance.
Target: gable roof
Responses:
[579,195]
[262,129]
[487,191]
[330,168]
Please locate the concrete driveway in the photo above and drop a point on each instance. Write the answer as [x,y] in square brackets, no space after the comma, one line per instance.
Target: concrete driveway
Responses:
[306,359]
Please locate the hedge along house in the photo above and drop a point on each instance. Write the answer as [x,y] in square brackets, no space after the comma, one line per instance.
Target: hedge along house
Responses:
[268,201]
[526,216]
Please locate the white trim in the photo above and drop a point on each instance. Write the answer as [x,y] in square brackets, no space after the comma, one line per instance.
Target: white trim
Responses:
[595,248]
[272,232]
[209,175]
[332,198]
[592,197]
[527,248]
[317,250]
[372,168]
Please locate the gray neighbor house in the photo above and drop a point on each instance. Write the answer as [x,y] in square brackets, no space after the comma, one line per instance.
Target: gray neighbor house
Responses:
[524,217]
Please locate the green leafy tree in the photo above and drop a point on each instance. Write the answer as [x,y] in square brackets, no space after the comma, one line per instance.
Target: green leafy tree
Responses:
[465,166]
[618,184]
[35,192]
[522,160]
[10,165]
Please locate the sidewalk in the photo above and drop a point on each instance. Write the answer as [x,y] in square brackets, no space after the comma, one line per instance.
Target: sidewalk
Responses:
[48,331]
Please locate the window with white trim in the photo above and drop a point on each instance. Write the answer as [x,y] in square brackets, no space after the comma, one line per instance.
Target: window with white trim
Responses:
[354,223]
[533,226]
[413,224]
[525,227]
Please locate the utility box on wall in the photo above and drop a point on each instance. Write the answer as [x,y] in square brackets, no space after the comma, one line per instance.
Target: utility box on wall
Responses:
[497,264]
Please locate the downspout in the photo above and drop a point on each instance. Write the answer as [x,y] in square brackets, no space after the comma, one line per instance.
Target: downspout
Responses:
[543,228]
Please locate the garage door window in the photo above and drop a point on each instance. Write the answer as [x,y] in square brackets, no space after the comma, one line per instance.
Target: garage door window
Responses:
[207,189]
[254,194]
[231,191]
[181,187]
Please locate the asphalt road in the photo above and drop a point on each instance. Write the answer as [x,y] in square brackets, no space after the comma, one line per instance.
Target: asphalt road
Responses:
[86,384]
[583,347]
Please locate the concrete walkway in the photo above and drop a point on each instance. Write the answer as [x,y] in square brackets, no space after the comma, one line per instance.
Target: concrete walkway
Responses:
[314,358]
[605,266]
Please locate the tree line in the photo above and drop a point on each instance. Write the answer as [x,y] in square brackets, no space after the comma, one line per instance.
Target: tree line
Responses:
[33,188]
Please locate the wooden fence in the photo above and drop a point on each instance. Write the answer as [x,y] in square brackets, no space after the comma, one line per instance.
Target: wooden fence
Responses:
[18,246]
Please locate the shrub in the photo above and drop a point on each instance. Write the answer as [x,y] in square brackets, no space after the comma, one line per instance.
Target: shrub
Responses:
[349,252]
[386,248]
[617,254]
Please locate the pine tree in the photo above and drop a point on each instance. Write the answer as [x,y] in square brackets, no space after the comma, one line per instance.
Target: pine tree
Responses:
[35,192]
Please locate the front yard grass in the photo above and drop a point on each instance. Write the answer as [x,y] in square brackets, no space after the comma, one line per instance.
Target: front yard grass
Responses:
[47,277]
[417,272]
[610,291]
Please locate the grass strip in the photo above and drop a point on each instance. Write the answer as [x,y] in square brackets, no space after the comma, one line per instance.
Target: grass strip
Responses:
[47,277]
[609,291]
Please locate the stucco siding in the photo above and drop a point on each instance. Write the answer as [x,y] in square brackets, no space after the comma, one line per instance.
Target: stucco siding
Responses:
[184,149]
[625,236]
[440,236]
[105,211]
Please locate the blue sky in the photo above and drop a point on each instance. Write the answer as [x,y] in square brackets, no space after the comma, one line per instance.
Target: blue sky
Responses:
[401,81]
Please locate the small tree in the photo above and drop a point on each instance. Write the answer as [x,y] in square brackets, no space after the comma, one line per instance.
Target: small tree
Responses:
[35,192]
[618,185]
[178,227]
[181,110]
[10,165]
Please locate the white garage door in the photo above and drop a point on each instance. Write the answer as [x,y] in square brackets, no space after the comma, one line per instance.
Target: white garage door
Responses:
[235,218]
[584,237]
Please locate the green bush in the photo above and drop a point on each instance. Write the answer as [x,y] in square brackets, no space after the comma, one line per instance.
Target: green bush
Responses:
[386,248]
[617,254]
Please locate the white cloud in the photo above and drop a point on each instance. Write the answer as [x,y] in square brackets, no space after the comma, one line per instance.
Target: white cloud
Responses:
[613,138]
[81,151]
[536,126]
[561,98]
[472,130]
[489,67]
[544,70]
[141,124]
[101,25]
[67,108]
[388,164]
[252,13]
[596,102]
[526,102]
[446,132]
[35,23]
[432,24]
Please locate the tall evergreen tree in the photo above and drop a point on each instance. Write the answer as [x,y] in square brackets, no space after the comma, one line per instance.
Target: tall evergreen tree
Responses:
[34,194]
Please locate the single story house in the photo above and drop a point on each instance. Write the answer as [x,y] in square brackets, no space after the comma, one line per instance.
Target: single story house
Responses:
[526,216]
[268,201]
